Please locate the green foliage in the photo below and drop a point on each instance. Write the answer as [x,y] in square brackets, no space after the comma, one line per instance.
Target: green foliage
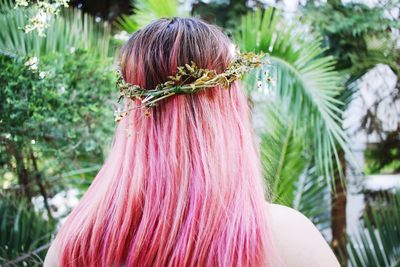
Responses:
[145,11]
[63,115]
[357,35]
[69,30]
[287,166]
[306,83]
[224,13]
[58,123]
[282,154]
[384,157]
[313,198]
[22,230]
[352,19]
[377,242]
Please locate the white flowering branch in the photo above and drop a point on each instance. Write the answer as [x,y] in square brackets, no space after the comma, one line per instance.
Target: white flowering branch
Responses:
[45,10]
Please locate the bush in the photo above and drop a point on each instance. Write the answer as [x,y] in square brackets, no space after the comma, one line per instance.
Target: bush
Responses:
[56,116]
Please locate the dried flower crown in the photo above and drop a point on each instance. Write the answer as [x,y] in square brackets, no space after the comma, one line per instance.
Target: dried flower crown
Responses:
[177,84]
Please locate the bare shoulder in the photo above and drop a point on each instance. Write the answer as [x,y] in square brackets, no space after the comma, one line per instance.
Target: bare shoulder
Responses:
[52,258]
[297,240]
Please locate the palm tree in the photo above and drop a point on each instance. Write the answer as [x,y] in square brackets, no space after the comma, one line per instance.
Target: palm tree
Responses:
[360,37]
[299,145]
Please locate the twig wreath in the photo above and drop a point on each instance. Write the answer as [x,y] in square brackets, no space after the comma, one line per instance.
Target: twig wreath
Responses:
[177,84]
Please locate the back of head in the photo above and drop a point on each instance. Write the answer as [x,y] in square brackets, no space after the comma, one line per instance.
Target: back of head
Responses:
[182,186]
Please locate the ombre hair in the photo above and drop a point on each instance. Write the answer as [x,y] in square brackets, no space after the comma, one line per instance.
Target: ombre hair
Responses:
[182,186]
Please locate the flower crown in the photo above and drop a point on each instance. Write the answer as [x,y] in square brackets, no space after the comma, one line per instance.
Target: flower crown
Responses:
[178,84]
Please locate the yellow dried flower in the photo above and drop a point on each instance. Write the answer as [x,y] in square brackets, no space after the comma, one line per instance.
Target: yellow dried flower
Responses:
[200,79]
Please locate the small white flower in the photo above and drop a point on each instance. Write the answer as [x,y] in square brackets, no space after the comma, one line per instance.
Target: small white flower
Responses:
[42,74]
[63,3]
[19,3]
[72,49]
[46,9]
[32,63]
[39,23]
[33,141]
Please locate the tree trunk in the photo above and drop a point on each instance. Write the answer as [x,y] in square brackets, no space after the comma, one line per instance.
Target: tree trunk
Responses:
[38,179]
[338,213]
[22,172]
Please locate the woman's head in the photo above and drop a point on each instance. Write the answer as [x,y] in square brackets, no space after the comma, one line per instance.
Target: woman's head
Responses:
[154,52]
[183,186]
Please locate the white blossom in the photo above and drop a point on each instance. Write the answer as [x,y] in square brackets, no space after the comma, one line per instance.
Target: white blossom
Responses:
[40,22]
[42,74]
[48,8]
[32,63]
[19,3]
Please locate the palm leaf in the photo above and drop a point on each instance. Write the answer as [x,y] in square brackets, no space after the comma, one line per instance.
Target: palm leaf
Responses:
[70,30]
[282,155]
[291,179]
[312,198]
[377,242]
[145,11]
[126,23]
[306,83]
[22,230]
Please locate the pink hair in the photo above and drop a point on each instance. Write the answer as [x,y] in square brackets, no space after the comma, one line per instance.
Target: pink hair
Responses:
[183,186]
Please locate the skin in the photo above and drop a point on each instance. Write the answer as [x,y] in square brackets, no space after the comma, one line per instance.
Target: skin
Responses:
[297,241]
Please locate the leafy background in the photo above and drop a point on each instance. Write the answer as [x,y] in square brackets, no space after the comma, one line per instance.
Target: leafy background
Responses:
[56,116]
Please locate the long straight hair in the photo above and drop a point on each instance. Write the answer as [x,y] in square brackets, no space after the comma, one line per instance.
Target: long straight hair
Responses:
[182,185]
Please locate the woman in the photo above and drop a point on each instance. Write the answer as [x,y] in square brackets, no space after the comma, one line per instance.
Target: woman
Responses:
[182,185]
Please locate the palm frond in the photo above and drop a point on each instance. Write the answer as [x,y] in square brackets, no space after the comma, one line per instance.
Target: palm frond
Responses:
[306,83]
[312,198]
[377,242]
[145,11]
[290,176]
[282,155]
[68,31]
[22,230]
[126,23]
